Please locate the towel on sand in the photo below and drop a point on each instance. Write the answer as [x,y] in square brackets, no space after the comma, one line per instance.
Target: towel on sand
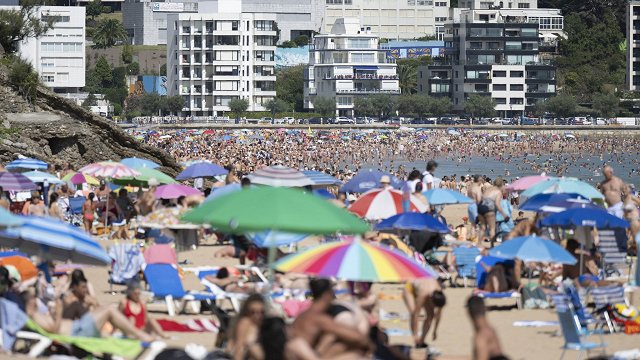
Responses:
[193,325]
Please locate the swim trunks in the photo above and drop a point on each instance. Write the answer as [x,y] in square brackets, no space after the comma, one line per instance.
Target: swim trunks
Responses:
[616,210]
[85,327]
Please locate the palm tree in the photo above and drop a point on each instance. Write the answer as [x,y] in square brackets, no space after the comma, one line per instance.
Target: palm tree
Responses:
[408,78]
[107,33]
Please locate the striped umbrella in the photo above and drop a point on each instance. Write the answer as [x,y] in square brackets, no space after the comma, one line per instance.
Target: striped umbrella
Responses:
[27,164]
[280,176]
[16,182]
[355,260]
[321,178]
[174,191]
[271,238]
[526,182]
[77,178]
[380,204]
[201,170]
[54,240]
[40,177]
[108,169]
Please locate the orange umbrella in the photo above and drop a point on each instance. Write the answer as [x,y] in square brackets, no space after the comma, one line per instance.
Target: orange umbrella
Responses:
[24,266]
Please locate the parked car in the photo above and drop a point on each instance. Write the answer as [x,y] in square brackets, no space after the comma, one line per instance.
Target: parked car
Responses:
[315,120]
[341,120]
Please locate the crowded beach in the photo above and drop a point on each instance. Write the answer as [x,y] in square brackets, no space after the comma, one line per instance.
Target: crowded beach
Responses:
[283,244]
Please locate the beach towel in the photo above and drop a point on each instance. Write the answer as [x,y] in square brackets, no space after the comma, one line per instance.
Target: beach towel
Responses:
[193,325]
[12,320]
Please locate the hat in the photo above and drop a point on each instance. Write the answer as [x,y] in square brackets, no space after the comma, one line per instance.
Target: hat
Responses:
[385,179]
[351,197]
[153,182]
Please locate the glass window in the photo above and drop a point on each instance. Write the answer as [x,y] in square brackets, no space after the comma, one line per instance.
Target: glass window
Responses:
[500,101]
[516,87]
[516,74]
[499,87]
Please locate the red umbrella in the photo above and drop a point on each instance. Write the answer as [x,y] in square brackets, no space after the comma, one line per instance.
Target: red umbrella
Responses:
[380,204]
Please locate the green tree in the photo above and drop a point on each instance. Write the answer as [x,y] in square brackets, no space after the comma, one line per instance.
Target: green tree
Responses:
[90,101]
[238,107]
[324,106]
[440,106]
[163,70]
[480,106]
[175,104]
[107,33]
[288,44]
[421,104]
[362,106]
[405,104]
[103,73]
[408,78]
[117,109]
[290,86]
[383,105]
[24,78]
[93,9]
[606,104]
[301,40]
[133,68]
[277,106]
[562,105]
[127,54]
[17,25]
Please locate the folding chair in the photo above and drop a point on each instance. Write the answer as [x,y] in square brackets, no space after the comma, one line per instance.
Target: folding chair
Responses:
[466,262]
[603,298]
[481,276]
[574,338]
[164,282]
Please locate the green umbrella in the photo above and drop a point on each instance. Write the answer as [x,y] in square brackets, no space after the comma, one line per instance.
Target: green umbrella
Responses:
[146,174]
[275,208]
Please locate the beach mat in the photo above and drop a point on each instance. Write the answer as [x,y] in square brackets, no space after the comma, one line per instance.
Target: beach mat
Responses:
[194,325]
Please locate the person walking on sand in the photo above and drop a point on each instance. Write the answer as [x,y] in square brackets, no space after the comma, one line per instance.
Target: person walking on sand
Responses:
[486,345]
[424,294]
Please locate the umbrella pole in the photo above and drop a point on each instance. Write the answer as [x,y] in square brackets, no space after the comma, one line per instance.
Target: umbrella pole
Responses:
[106,207]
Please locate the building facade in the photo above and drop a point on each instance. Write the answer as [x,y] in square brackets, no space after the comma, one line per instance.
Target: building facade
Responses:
[633,46]
[214,58]
[146,21]
[59,55]
[348,63]
[498,58]
[392,19]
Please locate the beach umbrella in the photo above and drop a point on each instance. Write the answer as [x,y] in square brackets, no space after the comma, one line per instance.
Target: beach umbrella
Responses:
[597,218]
[355,260]
[41,177]
[563,185]
[162,217]
[567,204]
[201,170]
[146,174]
[368,179]
[27,164]
[8,219]
[217,192]
[16,182]
[445,197]
[54,240]
[380,204]
[270,238]
[533,248]
[324,193]
[275,208]
[278,175]
[526,182]
[78,178]
[20,262]
[188,163]
[413,221]
[134,162]
[108,170]
[536,202]
[174,191]
[321,178]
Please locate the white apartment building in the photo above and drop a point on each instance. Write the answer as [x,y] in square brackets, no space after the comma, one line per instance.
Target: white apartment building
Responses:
[59,56]
[214,58]
[498,4]
[347,63]
[633,46]
[392,19]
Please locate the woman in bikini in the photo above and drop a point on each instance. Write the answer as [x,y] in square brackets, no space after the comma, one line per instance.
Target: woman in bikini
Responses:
[135,311]
[489,205]
[88,212]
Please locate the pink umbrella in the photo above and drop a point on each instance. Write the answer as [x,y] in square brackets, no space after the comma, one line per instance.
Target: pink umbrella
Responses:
[174,191]
[108,169]
[526,182]
[160,254]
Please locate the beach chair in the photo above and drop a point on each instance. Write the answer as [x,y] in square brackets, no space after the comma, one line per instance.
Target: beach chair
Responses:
[234,298]
[164,282]
[74,212]
[481,276]
[574,337]
[604,298]
[35,342]
[128,261]
[466,262]
[585,318]
[613,247]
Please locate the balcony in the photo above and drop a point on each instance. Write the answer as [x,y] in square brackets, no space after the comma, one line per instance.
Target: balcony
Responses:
[361,77]
[367,91]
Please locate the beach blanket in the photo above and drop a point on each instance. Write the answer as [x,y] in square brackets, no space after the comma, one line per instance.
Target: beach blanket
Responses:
[193,325]
[397,332]
[535,323]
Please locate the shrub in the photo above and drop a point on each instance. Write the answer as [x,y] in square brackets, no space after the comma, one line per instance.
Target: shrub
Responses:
[24,78]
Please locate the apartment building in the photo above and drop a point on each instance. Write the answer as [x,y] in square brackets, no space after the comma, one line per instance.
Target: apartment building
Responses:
[497,57]
[392,19]
[347,63]
[633,46]
[498,4]
[214,58]
[58,56]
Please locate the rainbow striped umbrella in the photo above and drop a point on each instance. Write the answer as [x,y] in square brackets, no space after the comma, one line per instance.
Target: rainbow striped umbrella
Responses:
[355,260]
[108,169]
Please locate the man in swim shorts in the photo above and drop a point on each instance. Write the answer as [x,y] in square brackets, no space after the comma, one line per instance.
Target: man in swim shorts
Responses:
[616,192]
[424,294]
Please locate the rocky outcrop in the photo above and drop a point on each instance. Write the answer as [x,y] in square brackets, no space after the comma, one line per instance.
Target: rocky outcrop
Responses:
[58,131]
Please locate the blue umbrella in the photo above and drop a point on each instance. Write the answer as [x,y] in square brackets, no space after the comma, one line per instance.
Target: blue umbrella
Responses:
[324,193]
[597,218]
[54,240]
[563,185]
[533,248]
[321,178]
[563,205]
[270,238]
[134,162]
[535,202]
[201,170]
[28,164]
[368,179]
[227,189]
[413,221]
[444,197]
[8,219]
[41,177]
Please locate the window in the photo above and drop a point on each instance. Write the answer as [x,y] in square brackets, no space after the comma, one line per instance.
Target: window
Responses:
[362,58]
[439,88]
[441,3]
[264,25]
[359,43]
[499,87]
[48,78]
[500,101]
[222,55]
[516,101]
[345,100]
[223,100]
[61,47]
[264,55]
[516,87]
[523,5]
[225,85]
[441,19]
[516,74]
[55,18]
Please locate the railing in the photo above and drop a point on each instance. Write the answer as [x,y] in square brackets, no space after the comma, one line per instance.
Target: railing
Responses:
[366,91]
[361,77]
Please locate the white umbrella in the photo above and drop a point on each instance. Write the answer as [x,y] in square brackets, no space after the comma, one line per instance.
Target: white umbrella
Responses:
[279,175]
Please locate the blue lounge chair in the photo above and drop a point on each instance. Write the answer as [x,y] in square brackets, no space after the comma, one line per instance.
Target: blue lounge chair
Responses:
[584,316]
[481,276]
[603,298]
[574,337]
[466,262]
[164,282]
